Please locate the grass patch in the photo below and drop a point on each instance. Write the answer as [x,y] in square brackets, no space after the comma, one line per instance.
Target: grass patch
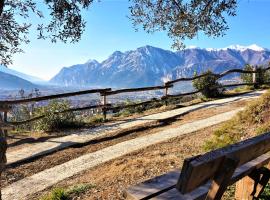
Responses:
[254,120]
[56,194]
[93,120]
[67,194]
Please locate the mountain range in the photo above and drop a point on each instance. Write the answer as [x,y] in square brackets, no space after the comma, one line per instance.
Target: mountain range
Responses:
[144,66]
[24,76]
[148,66]
[12,82]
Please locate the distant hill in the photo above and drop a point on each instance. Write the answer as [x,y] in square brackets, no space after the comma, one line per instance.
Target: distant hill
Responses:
[27,77]
[147,66]
[11,82]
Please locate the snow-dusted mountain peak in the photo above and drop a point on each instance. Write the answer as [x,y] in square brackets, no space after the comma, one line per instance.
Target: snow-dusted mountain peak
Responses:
[235,47]
[92,61]
[253,47]
[148,65]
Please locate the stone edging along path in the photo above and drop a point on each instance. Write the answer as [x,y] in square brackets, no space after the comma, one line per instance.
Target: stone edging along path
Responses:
[42,180]
[84,136]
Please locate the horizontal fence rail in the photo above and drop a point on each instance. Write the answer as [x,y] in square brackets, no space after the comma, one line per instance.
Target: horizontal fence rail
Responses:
[218,75]
[136,90]
[55,96]
[6,106]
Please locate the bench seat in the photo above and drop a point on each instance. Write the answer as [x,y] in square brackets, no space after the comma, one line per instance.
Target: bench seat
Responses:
[163,187]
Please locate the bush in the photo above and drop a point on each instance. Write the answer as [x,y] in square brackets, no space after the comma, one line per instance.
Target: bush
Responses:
[57,194]
[93,120]
[66,194]
[52,121]
[21,113]
[261,77]
[247,78]
[208,85]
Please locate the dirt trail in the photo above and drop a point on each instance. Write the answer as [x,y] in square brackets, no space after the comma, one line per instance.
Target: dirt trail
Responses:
[84,136]
[49,177]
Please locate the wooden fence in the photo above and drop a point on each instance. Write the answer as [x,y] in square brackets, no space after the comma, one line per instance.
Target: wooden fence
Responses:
[6,106]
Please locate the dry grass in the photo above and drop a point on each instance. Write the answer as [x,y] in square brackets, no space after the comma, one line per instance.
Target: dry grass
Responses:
[16,173]
[112,178]
[248,123]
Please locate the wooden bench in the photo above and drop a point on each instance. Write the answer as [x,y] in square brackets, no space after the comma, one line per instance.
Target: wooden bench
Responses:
[208,176]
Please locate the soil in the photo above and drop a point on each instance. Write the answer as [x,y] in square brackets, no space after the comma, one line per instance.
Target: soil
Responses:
[17,172]
[112,178]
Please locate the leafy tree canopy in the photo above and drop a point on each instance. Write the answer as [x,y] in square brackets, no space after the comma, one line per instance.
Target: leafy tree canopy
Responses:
[181,19]
[65,23]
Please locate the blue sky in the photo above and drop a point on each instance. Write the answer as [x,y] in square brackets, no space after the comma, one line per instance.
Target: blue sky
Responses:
[109,29]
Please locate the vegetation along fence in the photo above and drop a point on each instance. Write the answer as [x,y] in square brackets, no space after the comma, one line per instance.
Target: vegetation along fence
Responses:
[6,106]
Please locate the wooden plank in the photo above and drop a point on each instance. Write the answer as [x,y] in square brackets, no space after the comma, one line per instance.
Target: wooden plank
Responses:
[247,168]
[55,96]
[196,172]
[222,178]
[153,186]
[174,194]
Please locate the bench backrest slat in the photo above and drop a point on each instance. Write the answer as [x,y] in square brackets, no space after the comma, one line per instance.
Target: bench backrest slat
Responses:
[200,169]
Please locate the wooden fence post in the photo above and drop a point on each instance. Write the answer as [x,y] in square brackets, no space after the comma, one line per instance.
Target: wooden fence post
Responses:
[166,89]
[3,145]
[104,102]
[5,121]
[254,77]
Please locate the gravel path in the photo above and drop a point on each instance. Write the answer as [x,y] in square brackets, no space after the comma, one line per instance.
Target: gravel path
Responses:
[40,181]
[84,136]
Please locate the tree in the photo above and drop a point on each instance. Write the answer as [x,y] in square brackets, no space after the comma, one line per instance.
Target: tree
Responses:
[247,78]
[183,19]
[208,85]
[180,19]
[65,23]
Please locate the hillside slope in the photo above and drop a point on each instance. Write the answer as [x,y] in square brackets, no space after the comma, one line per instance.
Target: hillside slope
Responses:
[248,123]
[24,76]
[8,81]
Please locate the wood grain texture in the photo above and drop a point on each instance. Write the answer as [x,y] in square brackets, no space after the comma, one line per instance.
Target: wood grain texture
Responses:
[142,191]
[154,186]
[196,172]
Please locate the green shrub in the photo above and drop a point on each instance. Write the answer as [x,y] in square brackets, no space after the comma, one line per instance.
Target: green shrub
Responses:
[208,85]
[266,193]
[21,113]
[56,194]
[96,119]
[247,78]
[53,120]
[67,194]
[261,77]
[79,189]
